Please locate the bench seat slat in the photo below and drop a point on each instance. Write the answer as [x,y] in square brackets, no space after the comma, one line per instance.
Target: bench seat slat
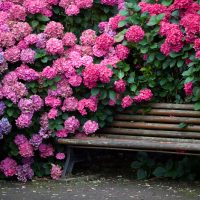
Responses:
[163,119]
[160,126]
[172,106]
[164,112]
[154,133]
[132,144]
[164,139]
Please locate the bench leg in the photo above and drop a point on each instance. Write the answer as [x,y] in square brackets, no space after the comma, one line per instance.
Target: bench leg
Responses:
[69,163]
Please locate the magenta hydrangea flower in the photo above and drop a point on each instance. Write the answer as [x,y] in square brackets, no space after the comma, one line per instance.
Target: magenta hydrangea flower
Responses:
[188,87]
[144,95]
[8,166]
[134,34]
[126,101]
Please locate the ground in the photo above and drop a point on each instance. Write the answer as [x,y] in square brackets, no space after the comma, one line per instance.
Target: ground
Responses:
[102,181]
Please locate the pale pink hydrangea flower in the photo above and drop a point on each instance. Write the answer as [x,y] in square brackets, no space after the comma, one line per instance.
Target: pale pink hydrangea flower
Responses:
[90,127]
[71,124]
[56,172]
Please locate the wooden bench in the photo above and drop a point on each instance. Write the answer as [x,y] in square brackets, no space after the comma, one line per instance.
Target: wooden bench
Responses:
[167,128]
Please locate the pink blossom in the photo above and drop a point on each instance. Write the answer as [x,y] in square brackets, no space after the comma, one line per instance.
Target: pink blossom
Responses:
[26,150]
[49,72]
[62,133]
[24,120]
[188,87]
[90,127]
[60,156]
[52,101]
[46,150]
[71,124]
[122,51]
[54,46]
[126,101]
[120,86]
[8,166]
[144,95]
[134,34]
[53,113]
[70,104]
[54,30]
[69,39]
[56,172]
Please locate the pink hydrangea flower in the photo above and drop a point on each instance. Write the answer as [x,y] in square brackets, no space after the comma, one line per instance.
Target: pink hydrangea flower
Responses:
[54,46]
[120,86]
[188,87]
[69,39]
[126,101]
[90,127]
[46,150]
[62,133]
[53,113]
[60,156]
[8,166]
[144,95]
[24,120]
[71,124]
[134,34]
[26,150]
[70,104]
[49,72]
[56,172]
[122,51]
[54,30]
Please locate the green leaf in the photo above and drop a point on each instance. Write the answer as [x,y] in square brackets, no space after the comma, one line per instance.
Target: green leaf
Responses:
[53,87]
[122,23]
[136,164]
[95,91]
[43,18]
[182,125]
[197,105]
[119,37]
[112,94]
[123,12]
[167,2]
[10,112]
[141,174]
[120,74]
[155,19]
[34,23]
[133,88]
[159,172]
[180,63]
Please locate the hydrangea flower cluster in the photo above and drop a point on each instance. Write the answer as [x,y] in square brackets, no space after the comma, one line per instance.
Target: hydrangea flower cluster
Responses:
[58,83]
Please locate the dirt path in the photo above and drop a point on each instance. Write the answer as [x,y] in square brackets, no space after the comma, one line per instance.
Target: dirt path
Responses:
[99,188]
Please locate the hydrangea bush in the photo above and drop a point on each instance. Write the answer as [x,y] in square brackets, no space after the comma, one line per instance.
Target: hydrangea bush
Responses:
[65,69]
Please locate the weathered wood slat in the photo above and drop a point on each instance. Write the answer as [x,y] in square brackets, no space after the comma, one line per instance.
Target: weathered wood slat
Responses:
[145,132]
[163,139]
[164,112]
[172,106]
[160,126]
[162,119]
[133,144]
[146,150]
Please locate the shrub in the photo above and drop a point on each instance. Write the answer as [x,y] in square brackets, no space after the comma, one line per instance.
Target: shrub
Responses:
[62,77]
